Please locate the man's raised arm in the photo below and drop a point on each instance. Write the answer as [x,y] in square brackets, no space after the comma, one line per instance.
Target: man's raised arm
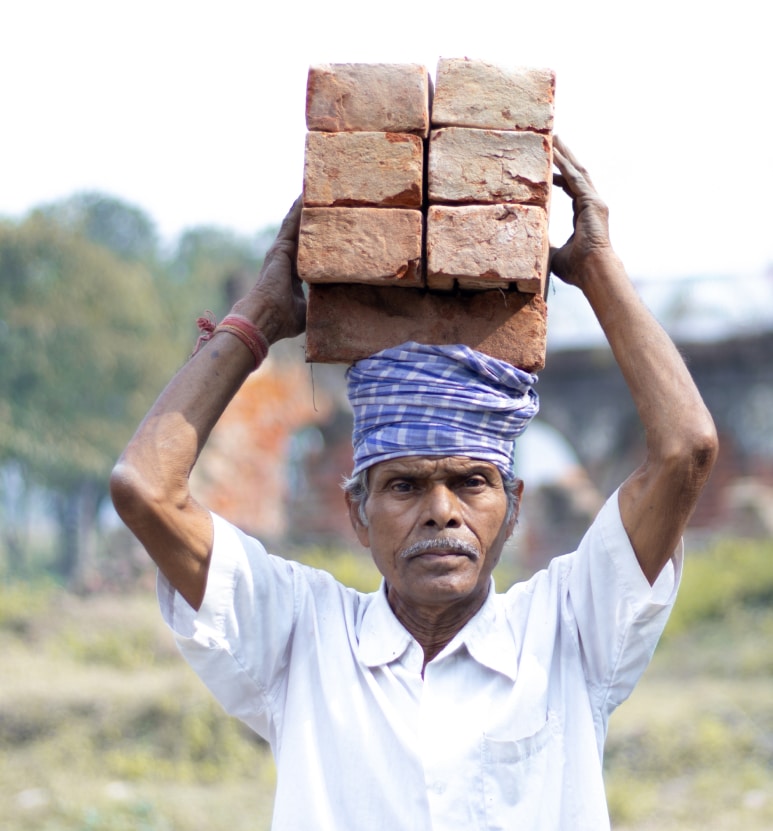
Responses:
[149,483]
[656,501]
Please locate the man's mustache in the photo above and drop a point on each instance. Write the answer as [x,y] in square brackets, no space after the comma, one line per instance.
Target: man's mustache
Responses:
[439,545]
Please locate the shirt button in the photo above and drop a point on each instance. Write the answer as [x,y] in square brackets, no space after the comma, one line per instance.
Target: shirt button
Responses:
[439,787]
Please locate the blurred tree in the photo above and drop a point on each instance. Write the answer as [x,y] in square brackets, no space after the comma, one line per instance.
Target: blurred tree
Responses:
[94,319]
[85,348]
[108,221]
[216,267]
[14,516]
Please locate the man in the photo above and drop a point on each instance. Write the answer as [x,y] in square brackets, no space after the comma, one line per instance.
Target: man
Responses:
[434,702]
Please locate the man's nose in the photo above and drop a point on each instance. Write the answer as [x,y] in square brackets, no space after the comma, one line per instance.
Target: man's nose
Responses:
[442,509]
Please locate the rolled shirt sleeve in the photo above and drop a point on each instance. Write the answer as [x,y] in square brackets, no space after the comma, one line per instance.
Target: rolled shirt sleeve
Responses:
[618,615]
[247,588]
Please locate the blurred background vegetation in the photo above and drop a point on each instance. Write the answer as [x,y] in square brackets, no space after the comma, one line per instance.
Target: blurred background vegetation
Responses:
[102,726]
[95,316]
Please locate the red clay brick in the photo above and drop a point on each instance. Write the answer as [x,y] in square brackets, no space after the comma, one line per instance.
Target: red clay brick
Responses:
[482,247]
[489,166]
[360,245]
[346,323]
[345,169]
[379,97]
[479,94]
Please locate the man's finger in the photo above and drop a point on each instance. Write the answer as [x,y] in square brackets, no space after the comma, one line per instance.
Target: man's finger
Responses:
[290,224]
[558,261]
[561,150]
[559,181]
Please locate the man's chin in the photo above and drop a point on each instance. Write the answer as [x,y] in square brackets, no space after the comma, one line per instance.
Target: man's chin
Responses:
[441,584]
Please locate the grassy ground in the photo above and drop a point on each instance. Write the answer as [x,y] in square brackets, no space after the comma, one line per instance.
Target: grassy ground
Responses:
[693,746]
[103,727]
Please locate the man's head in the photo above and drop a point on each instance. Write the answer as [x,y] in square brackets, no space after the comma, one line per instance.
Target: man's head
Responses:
[433,493]
[435,526]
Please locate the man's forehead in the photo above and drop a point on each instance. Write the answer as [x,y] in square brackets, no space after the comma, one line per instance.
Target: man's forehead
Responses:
[426,465]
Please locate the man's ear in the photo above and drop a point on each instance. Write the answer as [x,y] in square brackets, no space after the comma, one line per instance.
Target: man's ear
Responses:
[360,529]
[516,508]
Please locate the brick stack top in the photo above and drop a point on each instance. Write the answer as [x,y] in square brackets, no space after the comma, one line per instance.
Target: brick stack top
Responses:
[426,227]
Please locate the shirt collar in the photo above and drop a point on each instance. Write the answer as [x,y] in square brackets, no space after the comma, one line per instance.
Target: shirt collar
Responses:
[382,638]
[487,636]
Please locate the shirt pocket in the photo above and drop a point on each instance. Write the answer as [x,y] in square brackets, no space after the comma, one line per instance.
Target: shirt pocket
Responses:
[522,778]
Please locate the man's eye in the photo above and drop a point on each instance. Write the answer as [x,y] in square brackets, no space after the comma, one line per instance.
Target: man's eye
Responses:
[475,482]
[401,486]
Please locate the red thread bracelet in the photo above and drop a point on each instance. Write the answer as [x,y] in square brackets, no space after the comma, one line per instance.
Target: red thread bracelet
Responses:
[206,325]
[248,333]
[237,325]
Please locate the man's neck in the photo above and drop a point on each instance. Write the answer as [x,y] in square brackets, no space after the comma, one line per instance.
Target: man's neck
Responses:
[434,627]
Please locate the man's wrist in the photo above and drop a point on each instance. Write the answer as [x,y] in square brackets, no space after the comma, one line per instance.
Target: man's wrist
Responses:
[244,329]
[261,314]
[598,266]
[601,257]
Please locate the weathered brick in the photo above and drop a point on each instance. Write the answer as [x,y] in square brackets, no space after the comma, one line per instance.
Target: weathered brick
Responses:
[472,93]
[363,169]
[379,97]
[489,166]
[360,245]
[346,323]
[481,247]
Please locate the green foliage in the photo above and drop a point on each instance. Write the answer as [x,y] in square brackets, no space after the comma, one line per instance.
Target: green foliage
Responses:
[731,574]
[695,761]
[21,603]
[138,816]
[216,266]
[84,352]
[692,747]
[354,570]
[106,221]
[107,815]
[94,320]
[121,650]
[711,739]
[90,332]
[629,798]
[185,741]
[225,251]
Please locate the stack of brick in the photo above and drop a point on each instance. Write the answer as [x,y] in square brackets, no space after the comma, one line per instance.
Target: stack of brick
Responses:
[477,275]
[491,157]
[363,174]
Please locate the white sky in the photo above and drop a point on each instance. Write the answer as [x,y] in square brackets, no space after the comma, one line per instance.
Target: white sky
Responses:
[195,110]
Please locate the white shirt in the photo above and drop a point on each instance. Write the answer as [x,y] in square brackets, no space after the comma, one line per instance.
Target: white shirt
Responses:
[504,731]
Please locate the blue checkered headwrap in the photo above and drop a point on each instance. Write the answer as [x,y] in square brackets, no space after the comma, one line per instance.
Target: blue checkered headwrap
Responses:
[421,400]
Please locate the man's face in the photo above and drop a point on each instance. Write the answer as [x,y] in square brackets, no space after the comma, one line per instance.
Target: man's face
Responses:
[436,527]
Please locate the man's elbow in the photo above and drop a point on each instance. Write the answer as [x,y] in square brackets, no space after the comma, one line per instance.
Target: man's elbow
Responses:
[132,495]
[698,453]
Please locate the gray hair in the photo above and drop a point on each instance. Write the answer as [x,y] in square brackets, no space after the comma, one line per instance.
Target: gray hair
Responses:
[356,489]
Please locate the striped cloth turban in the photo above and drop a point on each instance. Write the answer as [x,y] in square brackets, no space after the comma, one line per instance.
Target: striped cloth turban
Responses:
[420,400]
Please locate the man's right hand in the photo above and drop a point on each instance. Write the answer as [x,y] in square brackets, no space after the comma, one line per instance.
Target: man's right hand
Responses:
[278,287]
